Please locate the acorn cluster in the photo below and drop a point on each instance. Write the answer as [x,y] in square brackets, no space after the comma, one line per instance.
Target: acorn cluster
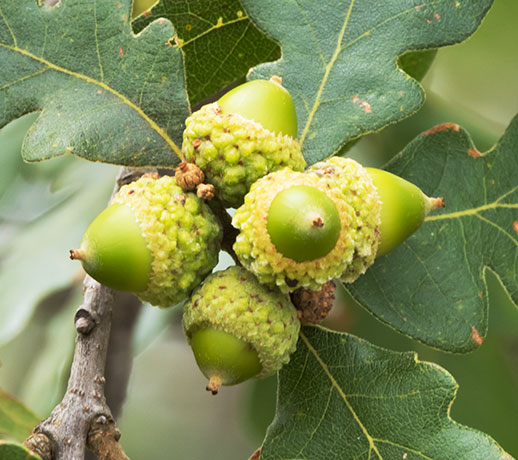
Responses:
[298,230]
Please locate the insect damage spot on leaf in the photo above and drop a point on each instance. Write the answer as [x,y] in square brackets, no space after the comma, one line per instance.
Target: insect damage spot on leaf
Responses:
[437,16]
[476,336]
[442,127]
[474,153]
[515,226]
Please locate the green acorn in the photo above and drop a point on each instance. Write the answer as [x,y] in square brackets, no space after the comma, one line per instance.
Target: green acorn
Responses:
[295,231]
[238,328]
[248,133]
[299,230]
[154,240]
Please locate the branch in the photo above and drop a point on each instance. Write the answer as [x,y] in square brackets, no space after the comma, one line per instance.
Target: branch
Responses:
[83,418]
[229,232]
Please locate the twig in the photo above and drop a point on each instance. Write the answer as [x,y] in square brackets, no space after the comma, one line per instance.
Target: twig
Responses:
[229,232]
[83,418]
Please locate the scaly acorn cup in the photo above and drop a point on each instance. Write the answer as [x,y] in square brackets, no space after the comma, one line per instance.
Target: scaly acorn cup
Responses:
[359,191]
[296,230]
[248,133]
[238,328]
[154,240]
[388,214]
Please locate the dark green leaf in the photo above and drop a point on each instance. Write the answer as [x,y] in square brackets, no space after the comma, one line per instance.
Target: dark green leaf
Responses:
[478,374]
[104,93]
[16,421]
[339,60]
[11,451]
[432,287]
[343,398]
[218,41]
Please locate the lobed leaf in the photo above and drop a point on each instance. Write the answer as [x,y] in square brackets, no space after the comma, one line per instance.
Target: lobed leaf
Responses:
[433,286]
[341,397]
[103,93]
[339,60]
[218,41]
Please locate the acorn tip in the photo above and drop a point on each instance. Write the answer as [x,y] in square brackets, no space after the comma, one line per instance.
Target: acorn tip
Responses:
[76,254]
[438,203]
[214,384]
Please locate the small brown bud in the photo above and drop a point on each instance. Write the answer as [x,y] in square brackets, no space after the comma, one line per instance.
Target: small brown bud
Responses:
[313,306]
[205,191]
[41,445]
[188,175]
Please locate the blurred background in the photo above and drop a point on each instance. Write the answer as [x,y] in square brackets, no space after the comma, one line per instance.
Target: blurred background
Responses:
[45,208]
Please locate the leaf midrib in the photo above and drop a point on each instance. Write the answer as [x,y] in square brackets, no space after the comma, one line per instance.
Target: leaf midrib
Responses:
[331,63]
[334,383]
[103,85]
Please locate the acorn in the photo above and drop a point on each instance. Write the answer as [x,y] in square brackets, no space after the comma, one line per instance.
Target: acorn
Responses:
[154,240]
[295,231]
[239,329]
[300,230]
[248,133]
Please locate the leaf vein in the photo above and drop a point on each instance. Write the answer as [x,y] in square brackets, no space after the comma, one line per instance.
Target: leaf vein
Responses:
[25,77]
[334,383]
[15,43]
[218,25]
[92,81]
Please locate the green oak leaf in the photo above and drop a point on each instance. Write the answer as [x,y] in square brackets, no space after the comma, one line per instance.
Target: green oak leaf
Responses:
[341,397]
[16,421]
[104,93]
[339,60]
[218,41]
[12,451]
[432,287]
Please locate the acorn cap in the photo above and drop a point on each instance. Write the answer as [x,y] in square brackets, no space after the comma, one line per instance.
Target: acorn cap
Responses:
[181,233]
[233,301]
[234,151]
[356,185]
[256,251]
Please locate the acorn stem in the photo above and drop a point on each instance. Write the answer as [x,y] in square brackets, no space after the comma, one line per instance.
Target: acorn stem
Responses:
[76,254]
[433,203]
[214,384]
